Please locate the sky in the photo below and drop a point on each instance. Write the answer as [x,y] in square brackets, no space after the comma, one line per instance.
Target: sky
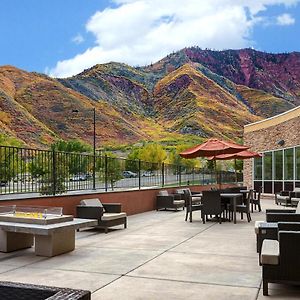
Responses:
[63,37]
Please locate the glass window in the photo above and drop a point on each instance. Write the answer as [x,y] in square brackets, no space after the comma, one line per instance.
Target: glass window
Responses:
[278,164]
[297,163]
[268,166]
[257,168]
[289,164]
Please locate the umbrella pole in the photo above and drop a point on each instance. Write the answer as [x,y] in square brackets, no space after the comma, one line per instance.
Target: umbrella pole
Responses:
[235,171]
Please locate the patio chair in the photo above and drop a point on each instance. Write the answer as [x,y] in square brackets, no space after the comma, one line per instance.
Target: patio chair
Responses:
[255,200]
[193,203]
[245,207]
[283,198]
[211,205]
[268,230]
[107,214]
[280,259]
[172,201]
[283,215]
[295,196]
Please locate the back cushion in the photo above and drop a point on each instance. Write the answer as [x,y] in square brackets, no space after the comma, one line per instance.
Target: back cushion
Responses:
[298,208]
[297,190]
[180,191]
[188,191]
[91,202]
[163,193]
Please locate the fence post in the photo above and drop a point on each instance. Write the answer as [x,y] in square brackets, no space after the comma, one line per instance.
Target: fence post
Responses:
[139,174]
[179,169]
[54,175]
[163,174]
[106,173]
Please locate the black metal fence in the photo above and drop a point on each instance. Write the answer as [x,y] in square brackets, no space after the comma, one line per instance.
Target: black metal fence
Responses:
[25,170]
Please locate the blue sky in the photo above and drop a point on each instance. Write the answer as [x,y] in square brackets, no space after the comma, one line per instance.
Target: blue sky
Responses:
[63,37]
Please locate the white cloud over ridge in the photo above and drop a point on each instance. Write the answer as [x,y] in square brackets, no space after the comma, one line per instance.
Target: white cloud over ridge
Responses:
[138,32]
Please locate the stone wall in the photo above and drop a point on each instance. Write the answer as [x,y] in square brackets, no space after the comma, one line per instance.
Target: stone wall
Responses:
[265,139]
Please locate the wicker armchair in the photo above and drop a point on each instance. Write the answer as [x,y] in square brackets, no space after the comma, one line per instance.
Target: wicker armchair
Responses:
[295,196]
[280,259]
[269,231]
[107,214]
[165,201]
[283,198]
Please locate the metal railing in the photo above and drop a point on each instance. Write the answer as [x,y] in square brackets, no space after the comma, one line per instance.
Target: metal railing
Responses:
[24,170]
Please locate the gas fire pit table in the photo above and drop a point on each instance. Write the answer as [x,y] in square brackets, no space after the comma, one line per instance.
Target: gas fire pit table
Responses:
[52,232]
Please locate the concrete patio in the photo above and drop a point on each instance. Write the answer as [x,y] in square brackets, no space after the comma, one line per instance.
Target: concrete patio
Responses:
[159,256]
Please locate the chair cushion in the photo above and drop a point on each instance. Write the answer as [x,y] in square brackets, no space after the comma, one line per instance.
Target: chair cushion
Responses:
[177,202]
[91,202]
[270,252]
[112,216]
[196,198]
[298,208]
[256,226]
[297,189]
[179,191]
[163,193]
[284,198]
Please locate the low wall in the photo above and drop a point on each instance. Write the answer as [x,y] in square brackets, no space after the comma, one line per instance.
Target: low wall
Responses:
[133,202]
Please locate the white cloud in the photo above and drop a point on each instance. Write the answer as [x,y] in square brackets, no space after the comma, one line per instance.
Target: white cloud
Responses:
[285,20]
[78,39]
[139,32]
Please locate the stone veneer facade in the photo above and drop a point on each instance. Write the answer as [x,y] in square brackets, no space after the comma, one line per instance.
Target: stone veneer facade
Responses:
[264,136]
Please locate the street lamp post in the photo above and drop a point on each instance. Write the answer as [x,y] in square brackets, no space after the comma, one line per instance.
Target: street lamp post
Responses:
[94,145]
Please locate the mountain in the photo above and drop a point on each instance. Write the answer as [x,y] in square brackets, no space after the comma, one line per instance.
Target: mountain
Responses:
[188,94]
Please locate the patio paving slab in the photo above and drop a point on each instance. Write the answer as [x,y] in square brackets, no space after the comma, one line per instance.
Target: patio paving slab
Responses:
[203,268]
[126,289]
[59,278]
[217,243]
[99,260]
[146,242]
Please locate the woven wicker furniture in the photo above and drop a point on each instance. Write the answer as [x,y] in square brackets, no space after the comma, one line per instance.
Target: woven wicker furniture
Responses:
[283,198]
[280,259]
[165,201]
[106,214]
[21,291]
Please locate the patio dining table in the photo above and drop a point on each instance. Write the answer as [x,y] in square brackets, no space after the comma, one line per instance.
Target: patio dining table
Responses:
[232,197]
[233,200]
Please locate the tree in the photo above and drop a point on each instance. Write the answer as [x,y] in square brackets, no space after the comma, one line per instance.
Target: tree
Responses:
[153,153]
[9,156]
[78,162]
[132,161]
[175,159]
[110,167]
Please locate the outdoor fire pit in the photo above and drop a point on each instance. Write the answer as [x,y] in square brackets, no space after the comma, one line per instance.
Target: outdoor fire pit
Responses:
[52,232]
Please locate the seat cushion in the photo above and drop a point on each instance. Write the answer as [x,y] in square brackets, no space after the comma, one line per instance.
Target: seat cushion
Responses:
[270,252]
[283,198]
[256,226]
[196,199]
[163,193]
[112,216]
[178,202]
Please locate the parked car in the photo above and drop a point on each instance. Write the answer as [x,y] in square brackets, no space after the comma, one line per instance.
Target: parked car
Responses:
[3,183]
[148,174]
[79,177]
[129,174]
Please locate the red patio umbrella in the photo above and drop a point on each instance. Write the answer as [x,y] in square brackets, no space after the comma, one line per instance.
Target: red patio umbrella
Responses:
[240,155]
[211,148]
